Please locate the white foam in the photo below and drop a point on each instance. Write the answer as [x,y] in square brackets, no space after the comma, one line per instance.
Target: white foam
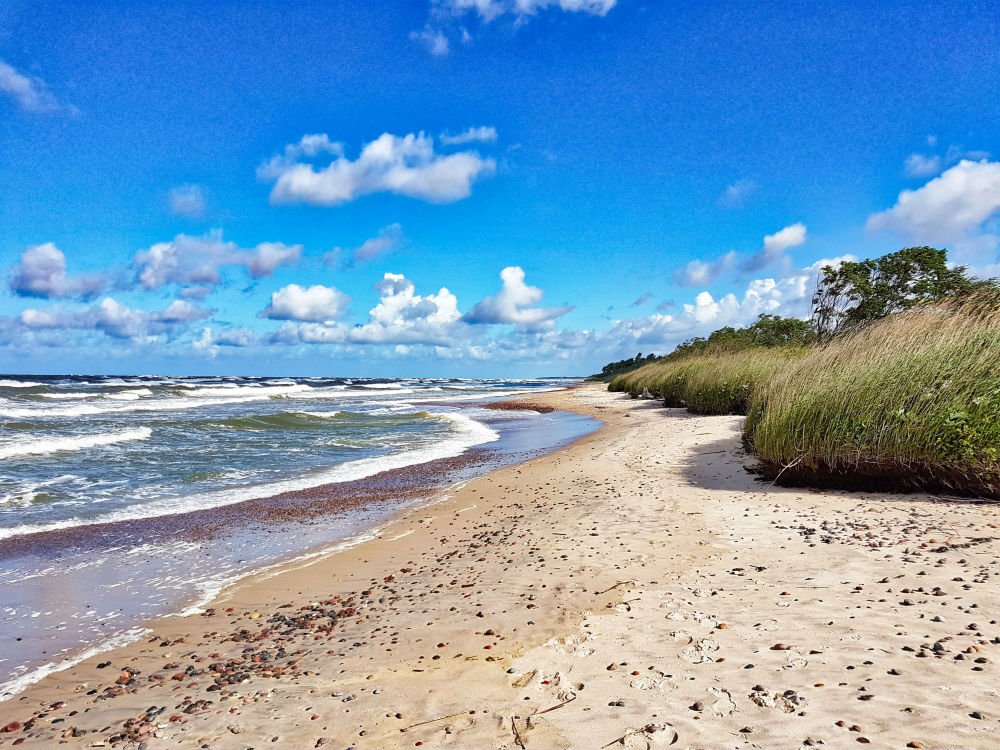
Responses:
[468,433]
[45,445]
[155,404]
[131,394]
[12,687]
[19,384]
[230,390]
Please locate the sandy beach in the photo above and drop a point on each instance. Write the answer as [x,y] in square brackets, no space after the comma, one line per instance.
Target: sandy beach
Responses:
[638,588]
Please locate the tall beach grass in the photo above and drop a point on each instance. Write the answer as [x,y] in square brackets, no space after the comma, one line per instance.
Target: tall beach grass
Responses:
[910,401]
[721,382]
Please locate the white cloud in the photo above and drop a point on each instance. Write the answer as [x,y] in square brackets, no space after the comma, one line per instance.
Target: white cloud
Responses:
[482,134]
[488,10]
[700,272]
[433,39]
[267,257]
[407,165]
[921,165]
[954,207]
[114,319]
[401,317]
[198,260]
[232,337]
[182,311]
[187,201]
[788,296]
[387,240]
[30,94]
[927,165]
[513,304]
[737,194]
[315,303]
[775,246]
[42,273]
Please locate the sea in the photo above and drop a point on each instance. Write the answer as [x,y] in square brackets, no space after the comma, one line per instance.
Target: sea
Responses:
[123,499]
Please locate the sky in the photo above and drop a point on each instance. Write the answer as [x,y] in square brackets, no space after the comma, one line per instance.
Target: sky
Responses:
[467,188]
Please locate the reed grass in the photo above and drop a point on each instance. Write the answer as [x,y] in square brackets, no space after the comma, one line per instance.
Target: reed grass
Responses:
[720,382]
[912,400]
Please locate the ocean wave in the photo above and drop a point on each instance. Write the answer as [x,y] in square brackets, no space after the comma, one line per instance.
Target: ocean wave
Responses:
[46,445]
[45,411]
[68,396]
[466,433]
[226,390]
[20,384]
[130,394]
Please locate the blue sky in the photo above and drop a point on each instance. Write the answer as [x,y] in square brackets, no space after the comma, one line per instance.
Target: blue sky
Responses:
[468,187]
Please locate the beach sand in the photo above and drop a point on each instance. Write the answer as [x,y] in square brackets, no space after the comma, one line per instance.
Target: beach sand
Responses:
[638,588]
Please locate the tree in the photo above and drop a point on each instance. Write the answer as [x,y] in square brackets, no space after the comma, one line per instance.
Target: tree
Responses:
[858,292]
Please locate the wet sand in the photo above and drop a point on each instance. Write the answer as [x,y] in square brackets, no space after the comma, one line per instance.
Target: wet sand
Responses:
[635,589]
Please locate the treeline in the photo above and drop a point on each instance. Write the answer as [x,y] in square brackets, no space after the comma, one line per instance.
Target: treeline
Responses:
[894,381]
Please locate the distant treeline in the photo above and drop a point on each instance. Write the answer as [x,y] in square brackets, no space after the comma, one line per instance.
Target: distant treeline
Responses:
[894,381]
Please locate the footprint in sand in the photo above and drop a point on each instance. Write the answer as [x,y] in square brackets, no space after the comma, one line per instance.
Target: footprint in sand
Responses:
[699,652]
[572,645]
[682,637]
[657,681]
[794,662]
[724,704]
[650,737]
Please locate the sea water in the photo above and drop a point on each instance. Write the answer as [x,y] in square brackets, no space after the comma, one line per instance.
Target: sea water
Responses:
[127,498]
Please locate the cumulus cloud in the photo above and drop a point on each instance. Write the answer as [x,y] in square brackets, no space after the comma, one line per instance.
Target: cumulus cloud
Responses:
[404,317]
[116,320]
[482,134]
[401,317]
[927,165]
[433,39]
[210,342]
[922,165]
[954,207]
[315,303]
[29,94]
[737,194]
[187,201]
[700,272]
[488,10]
[788,296]
[198,260]
[387,240]
[404,165]
[514,305]
[42,273]
[775,246]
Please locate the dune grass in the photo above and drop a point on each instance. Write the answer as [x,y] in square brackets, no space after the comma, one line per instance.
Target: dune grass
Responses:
[912,400]
[720,382]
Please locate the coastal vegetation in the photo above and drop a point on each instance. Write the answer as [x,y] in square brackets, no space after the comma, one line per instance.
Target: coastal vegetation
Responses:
[893,382]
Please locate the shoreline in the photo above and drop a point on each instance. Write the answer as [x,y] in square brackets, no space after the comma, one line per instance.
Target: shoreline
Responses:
[329,517]
[597,594]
